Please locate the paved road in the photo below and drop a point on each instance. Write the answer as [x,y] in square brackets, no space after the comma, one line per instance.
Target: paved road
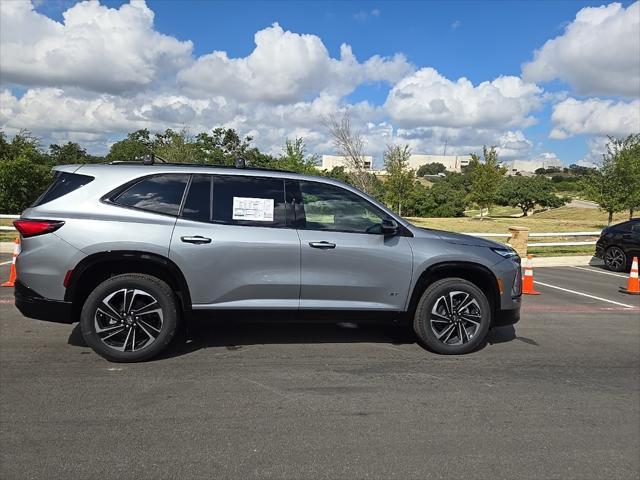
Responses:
[558,397]
[583,204]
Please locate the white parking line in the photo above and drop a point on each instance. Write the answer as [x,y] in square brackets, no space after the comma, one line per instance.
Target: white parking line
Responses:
[6,263]
[600,271]
[584,294]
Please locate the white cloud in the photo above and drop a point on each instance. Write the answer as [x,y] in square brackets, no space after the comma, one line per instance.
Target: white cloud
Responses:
[595,117]
[426,98]
[287,67]
[513,144]
[598,53]
[455,25]
[363,15]
[596,147]
[96,48]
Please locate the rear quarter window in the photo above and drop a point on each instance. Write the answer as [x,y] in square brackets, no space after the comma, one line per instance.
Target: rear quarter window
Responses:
[158,194]
[63,183]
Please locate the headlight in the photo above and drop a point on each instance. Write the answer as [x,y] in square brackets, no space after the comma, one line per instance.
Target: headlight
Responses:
[507,252]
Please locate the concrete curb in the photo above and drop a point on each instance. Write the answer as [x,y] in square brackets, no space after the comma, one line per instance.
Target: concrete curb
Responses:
[568,261]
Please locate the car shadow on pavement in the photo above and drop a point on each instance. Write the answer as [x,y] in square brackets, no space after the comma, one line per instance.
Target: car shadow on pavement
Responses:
[233,334]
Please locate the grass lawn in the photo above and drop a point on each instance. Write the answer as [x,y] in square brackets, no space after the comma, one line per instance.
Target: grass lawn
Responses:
[7,236]
[564,219]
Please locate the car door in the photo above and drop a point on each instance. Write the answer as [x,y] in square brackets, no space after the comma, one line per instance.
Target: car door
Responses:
[631,240]
[234,246]
[346,262]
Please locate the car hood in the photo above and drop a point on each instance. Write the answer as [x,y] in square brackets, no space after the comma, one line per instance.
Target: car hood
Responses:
[459,238]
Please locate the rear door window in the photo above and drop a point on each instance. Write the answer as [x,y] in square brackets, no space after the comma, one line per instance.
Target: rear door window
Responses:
[255,201]
[158,194]
[197,205]
[63,183]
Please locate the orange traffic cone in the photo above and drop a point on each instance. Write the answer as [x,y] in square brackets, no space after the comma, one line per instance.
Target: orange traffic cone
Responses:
[633,285]
[527,279]
[12,272]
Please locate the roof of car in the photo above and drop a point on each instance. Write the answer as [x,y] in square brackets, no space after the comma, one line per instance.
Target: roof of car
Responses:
[140,169]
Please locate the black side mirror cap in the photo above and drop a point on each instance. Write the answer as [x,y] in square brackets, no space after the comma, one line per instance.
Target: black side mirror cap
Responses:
[390,227]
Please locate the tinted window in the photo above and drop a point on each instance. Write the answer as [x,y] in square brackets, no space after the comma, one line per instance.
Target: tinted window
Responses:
[249,201]
[624,227]
[327,207]
[160,194]
[63,183]
[197,206]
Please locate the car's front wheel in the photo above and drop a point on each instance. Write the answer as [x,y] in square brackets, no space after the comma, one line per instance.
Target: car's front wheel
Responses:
[615,259]
[452,317]
[129,318]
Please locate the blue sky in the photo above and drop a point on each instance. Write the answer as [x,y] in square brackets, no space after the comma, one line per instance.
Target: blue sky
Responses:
[480,41]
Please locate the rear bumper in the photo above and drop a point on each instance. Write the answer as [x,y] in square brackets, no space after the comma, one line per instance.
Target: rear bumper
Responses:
[33,305]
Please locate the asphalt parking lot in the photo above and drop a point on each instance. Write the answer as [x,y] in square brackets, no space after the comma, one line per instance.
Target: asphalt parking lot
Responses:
[556,397]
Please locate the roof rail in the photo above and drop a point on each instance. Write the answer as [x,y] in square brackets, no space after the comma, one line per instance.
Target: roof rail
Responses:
[240,164]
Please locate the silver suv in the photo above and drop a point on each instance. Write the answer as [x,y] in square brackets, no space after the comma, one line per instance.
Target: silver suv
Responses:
[131,250]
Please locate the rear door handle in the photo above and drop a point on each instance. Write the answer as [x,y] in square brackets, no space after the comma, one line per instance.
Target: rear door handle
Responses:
[322,245]
[197,240]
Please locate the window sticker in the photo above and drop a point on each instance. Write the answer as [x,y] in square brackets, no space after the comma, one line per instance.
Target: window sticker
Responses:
[254,209]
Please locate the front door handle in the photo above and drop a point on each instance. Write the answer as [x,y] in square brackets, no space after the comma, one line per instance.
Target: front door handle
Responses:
[197,240]
[322,245]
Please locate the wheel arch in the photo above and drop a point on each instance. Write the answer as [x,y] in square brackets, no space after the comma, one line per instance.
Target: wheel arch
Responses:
[478,274]
[96,268]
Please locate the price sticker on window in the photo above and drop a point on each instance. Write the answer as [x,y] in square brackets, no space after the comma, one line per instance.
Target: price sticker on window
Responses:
[253,209]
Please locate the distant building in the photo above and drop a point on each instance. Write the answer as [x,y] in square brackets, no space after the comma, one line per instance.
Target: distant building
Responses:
[453,163]
[530,166]
[331,161]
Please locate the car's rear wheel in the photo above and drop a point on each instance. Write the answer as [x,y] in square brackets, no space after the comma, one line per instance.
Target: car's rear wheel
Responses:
[129,318]
[615,259]
[452,317]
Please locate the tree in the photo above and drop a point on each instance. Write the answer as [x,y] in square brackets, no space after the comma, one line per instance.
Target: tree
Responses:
[485,179]
[445,198]
[400,177]
[614,186]
[24,172]
[70,152]
[294,158]
[178,147]
[431,169]
[223,146]
[627,153]
[337,173]
[527,192]
[136,145]
[350,144]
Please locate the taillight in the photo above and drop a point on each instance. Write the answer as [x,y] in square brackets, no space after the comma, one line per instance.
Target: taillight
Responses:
[31,228]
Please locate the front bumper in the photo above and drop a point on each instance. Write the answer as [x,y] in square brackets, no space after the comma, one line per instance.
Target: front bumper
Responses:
[507,317]
[33,305]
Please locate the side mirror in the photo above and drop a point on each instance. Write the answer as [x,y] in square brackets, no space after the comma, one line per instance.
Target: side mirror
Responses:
[389,227]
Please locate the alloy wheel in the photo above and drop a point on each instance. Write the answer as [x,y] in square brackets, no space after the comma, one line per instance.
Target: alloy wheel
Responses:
[128,320]
[615,258]
[455,318]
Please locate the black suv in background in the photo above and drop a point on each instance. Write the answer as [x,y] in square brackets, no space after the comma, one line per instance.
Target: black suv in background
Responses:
[618,244]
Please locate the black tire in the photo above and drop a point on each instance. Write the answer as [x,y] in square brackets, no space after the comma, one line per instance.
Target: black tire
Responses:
[439,296]
[162,321]
[615,259]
